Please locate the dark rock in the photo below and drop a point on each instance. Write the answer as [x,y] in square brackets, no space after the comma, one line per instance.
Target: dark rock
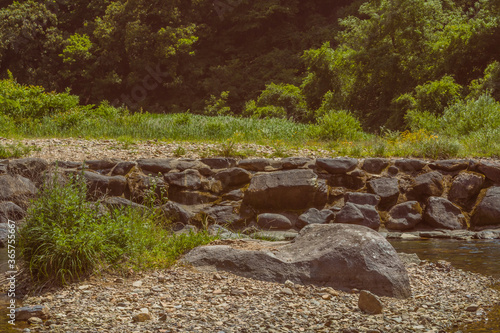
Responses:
[465,187]
[233,177]
[100,184]
[273,221]
[235,195]
[187,197]
[331,255]
[315,216]
[292,189]
[188,179]
[352,181]
[10,211]
[31,168]
[223,214]
[490,170]
[364,215]
[410,165]
[488,210]
[450,165]
[4,167]
[98,165]
[122,168]
[369,303]
[427,185]
[256,164]
[190,164]
[337,165]
[141,186]
[362,198]
[375,165]
[435,234]
[17,189]
[387,189]
[67,164]
[404,216]
[119,202]
[392,170]
[219,162]
[176,212]
[156,166]
[442,213]
[25,313]
[295,162]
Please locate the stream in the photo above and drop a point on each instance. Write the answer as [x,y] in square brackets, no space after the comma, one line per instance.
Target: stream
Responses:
[476,256]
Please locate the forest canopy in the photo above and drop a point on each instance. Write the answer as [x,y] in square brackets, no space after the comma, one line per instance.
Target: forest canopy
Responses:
[389,63]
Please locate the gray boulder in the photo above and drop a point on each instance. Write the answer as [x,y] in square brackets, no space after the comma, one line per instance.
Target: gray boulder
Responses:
[233,177]
[226,214]
[155,166]
[123,168]
[490,170]
[465,187]
[427,185]
[362,198]
[333,255]
[101,165]
[450,165]
[188,179]
[410,165]
[387,189]
[365,215]
[337,165]
[99,184]
[315,216]
[404,216]
[488,210]
[177,212]
[274,221]
[442,213]
[31,168]
[292,189]
[17,189]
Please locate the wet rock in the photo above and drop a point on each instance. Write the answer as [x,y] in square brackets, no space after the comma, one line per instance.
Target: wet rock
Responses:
[293,189]
[375,165]
[369,303]
[442,213]
[410,165]
[273,221]
[362,198]
[490,170]
[123,168]
[337,165]
[233,177]
[488,210]
[387,189]
[465,188]
[187,179]
[332,255]
[365,215]
[404,216]
[25,313]
[449,165]
[427,185]
[219,162]
[315,216]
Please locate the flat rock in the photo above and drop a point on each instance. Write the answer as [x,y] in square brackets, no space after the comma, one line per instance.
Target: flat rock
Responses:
[375,165]
[490,170]
[295,162]
[362,198]
[219,162]
[123,168]
[410,165]
[98,165]
[337,165]
[25,313]
[275,235]
[387,189]
[449,165]
[256,164]
[365,215]
[233,177]
[331,255]
[488,210]
[156,166]
[99,184]
[442,213]
[291,189]
[273,221]
[315,216]
[404,216]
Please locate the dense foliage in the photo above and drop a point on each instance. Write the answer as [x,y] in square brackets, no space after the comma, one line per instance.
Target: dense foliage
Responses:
[378,60]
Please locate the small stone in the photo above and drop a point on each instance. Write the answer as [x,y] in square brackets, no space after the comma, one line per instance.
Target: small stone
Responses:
[472,308]
[326,296]
[289,284]
[141,317]
[35,321]
[162,317]
[369,303]
[287,291]
[137,283]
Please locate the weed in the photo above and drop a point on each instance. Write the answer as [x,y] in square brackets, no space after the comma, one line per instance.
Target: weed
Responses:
[16,150]
[179,151]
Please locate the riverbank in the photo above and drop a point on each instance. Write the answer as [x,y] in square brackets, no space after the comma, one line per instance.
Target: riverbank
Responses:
[183,299]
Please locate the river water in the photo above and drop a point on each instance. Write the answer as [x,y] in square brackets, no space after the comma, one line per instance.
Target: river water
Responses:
[476,256]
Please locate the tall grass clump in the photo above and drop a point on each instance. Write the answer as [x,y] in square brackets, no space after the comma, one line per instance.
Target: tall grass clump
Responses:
[65,237]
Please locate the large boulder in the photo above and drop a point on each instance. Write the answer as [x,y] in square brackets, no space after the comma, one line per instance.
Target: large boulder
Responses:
[488,210]
[490,170]
[258,164]
[465,187]
[442,213]
[295,162]
[404,216]
[333,255]
[427,185]
[293,189]
[387,189]
[365,215]
[337,165]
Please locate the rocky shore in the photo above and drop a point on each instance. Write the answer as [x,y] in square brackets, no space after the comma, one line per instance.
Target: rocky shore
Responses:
[187,300]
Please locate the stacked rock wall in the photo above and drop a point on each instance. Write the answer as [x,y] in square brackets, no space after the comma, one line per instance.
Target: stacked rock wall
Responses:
[290,193]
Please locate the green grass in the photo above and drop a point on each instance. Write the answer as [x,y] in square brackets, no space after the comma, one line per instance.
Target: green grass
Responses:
[15,150]
[66,238]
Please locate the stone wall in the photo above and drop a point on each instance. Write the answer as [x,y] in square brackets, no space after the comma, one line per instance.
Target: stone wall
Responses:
[399,194]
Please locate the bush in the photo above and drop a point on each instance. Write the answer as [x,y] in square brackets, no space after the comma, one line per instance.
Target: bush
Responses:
[336,125]
[217,106]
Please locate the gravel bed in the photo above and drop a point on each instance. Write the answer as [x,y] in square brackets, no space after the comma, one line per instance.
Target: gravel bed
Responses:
[183,299]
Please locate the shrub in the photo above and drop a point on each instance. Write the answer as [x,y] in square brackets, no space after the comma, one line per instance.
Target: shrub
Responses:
[217,106]
[336,125]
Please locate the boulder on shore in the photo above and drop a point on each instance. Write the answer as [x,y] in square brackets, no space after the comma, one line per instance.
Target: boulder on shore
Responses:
[336,255]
